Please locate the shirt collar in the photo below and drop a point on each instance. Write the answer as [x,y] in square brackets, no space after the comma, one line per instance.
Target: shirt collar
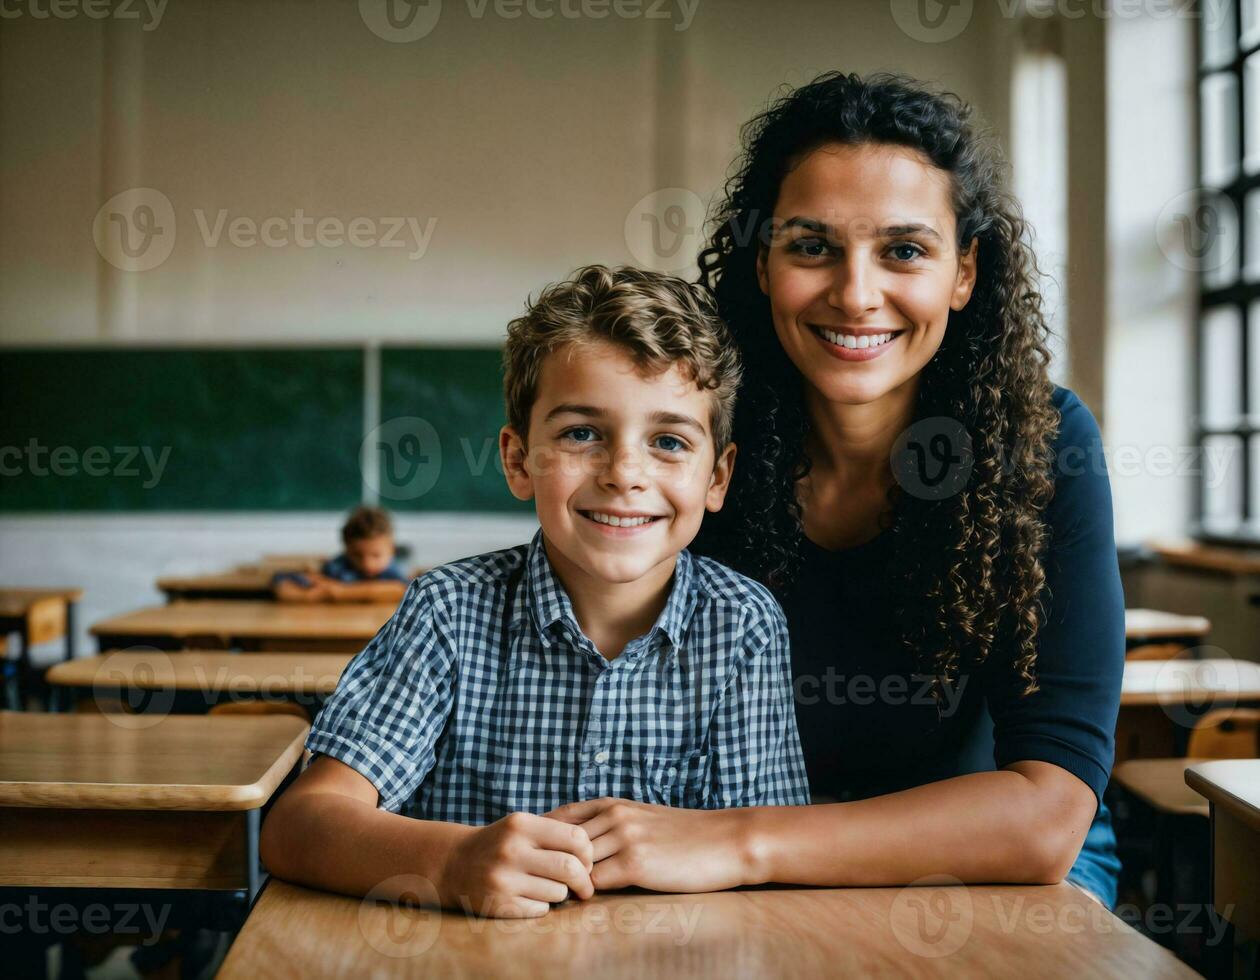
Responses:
[546,600]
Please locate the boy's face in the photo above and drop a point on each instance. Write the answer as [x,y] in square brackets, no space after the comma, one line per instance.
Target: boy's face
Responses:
[606,441]
[371,556]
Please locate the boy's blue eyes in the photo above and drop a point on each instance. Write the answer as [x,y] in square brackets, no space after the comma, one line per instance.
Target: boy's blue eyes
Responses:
[584,433]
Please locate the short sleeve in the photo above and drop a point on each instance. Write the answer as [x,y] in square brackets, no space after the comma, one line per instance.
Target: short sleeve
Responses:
[1070,721]
[753,741]
[392,701]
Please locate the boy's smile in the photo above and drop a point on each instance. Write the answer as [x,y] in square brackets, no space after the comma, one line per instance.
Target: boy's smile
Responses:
[621,466]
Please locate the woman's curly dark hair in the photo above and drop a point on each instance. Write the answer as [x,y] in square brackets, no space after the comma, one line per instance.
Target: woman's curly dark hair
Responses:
[967,570]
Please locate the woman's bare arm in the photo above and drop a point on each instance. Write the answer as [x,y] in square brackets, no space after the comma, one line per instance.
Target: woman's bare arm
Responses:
[1022,824]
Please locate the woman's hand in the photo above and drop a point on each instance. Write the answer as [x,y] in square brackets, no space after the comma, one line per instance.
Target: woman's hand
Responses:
[663,848]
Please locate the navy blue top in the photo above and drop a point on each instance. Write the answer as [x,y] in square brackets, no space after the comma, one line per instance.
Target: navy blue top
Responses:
[867,726]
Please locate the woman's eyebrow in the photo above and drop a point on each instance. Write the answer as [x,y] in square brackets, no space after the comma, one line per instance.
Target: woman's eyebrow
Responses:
[888,231]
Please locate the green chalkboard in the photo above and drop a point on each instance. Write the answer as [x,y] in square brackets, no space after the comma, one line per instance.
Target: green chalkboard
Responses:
[437,446]
[187,429]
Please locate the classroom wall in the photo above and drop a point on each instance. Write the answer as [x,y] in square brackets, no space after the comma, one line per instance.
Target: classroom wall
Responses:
[501,149]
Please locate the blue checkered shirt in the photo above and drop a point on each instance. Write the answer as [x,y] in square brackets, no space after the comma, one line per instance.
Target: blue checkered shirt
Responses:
[481,696]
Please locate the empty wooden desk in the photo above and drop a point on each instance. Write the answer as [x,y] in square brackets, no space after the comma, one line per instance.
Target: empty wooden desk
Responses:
[1161,700]
[1161,784]
[956,932]
[238,584]
[93,802]
[37,616]
[1155,626]
[253,625]
[195,680]
[1232,789]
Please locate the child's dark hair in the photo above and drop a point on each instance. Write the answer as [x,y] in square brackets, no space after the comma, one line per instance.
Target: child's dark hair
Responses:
[967,569]
[366,522]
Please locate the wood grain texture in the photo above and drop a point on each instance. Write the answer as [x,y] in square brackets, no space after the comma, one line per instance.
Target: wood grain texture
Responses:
[1152,624]
[1161,783]
[1199,682]
[204,670]
[122,849]
[1019,931]
[231,620]
[144,762]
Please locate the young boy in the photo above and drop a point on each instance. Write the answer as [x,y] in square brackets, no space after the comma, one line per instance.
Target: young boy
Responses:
[603,659]
[364,572]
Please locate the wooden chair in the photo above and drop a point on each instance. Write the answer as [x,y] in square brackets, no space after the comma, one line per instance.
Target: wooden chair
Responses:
[1227,733]
[261,708]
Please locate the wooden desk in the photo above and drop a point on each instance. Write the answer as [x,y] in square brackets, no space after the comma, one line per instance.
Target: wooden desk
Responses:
[89,801]
[195,680]
[1232,789]
[1147,625]
[244,582]
[1161,784]
[238,584]
[1173,682]
[1192,554]
[222,623]
[38,616]
[980,931]
[1161,700]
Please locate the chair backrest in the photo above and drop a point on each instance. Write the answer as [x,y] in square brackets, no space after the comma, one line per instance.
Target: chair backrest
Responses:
[1227,733]
[261,708]
[1155,651]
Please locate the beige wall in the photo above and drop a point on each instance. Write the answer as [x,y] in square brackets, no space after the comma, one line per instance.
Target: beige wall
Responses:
[524,144]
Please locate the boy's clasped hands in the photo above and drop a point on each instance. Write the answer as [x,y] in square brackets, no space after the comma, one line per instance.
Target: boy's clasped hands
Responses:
[523,863]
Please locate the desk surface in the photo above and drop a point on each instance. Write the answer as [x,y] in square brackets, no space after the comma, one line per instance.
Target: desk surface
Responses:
[120,762]
[237,580]
[16,602]
[1162,784]
[1155,682]
[1154,624]
[1231,784]
[202,670]
[230,618]
[986,930]
[1191,554]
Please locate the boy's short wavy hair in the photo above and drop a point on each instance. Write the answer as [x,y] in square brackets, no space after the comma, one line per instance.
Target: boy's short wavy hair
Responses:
[366,522]
[659,320]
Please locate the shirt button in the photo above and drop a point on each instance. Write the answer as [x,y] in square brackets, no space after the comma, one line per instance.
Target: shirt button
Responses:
[601,757]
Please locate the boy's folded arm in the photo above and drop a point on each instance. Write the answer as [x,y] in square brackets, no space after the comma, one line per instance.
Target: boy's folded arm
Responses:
[326,831]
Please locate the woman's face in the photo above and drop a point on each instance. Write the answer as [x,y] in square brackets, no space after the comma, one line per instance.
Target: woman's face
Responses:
[863,268]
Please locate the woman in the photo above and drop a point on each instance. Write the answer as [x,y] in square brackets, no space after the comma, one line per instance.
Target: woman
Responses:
[933,513]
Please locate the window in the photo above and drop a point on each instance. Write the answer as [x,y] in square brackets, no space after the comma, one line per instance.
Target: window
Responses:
[1227,224]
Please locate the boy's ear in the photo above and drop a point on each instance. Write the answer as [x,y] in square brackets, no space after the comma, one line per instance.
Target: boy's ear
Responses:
[512,452]
[720,481]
